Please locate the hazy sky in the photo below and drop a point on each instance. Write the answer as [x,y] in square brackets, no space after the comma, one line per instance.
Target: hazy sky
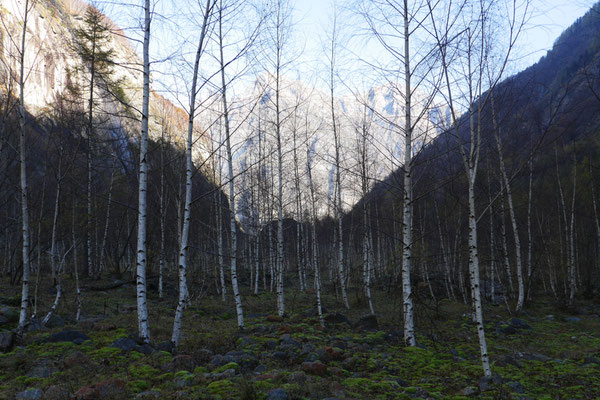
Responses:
[312,19]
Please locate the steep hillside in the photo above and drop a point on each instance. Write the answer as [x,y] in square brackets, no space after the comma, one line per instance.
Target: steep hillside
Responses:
[55,70]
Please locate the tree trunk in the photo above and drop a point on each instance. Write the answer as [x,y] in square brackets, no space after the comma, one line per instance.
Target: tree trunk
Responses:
[142,308]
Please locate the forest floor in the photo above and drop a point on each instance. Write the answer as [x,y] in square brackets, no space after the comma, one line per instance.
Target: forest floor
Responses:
[545,352]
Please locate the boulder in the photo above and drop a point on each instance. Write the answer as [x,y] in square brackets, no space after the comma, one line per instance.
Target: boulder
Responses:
[277,394]
[68,336]
[76,359]
[314,368]
[337,318]
[30,394]
[55,392]
[367,322]
[6,341]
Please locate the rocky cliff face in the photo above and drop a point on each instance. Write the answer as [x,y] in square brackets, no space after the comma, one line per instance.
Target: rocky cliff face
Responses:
[52,66]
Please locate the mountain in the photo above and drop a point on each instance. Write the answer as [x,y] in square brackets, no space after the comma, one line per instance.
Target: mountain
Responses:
[55,69]
[307,136]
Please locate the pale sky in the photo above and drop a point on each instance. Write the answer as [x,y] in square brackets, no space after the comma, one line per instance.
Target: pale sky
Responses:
[312,19]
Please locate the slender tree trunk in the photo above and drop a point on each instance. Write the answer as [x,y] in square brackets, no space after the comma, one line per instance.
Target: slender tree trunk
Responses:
[315,260]
[101,263]
[23,180]
[185,233]
[233,252]
[596,217]
[572,262]
[142,307]
[407,205]
[511,210]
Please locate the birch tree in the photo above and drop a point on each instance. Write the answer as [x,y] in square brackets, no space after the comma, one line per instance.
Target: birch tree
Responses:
[465,37]
[141,287]
[183,251]
[23,173]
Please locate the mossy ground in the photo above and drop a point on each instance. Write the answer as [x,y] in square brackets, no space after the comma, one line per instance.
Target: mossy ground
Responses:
[377,366]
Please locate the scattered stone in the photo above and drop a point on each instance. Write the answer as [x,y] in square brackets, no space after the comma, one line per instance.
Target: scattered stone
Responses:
[125,344]
[314,368]
[42,370]
[55,392]
[184,378]
[246,361]
[260,369]
[104,326]
[110,389]
[508,360]
[3,320]
[333,354]
[336,389]
[166,346]
[549,317]
[590,360]
[246,341]
[486,382]
[55,321]
[337,318]
[30,394]
[298,377]
[203,356]
[6,341]
[10,313]
[367,322]
[573,320]
[277,394]
[148,395]
[35,325]
[535,357]
[181,362]
[274,318]
[516,387]
[519,324]
[469,391]
[68,336]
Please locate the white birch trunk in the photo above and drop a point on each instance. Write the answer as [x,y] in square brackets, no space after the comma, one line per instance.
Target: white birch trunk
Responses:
[23,180]
[511,211]
[407,206]
[233,252]
[141,287]
[187,214]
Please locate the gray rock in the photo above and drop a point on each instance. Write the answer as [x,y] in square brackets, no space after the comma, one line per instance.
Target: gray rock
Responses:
[55,321]
[298,377]
[68,336]
[183,380]
[3,320]
[10,313]
[30,394]
[469,391]
[519,324]
[43,370]
[549,317]
[573,320]
[260,369]
[591,360]
[55,392]
[125,344]
[516,387]
[337,318]
[6,341]
[149,394]
[277,394]
[367,322]
[487,382]
[535,357]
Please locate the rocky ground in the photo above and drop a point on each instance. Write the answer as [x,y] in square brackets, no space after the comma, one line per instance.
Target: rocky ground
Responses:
[543,353]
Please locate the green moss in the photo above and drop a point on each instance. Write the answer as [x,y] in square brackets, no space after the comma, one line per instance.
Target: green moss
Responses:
[165,377]
[142,371]
[227,366]
[136,355]
[223,389]
[106,352]
[138,386]
[200,370]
